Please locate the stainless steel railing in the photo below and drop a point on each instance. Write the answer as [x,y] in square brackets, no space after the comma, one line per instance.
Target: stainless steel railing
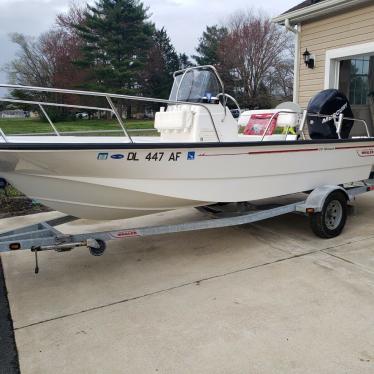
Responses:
[3,136]
[184,73]
[108,96]
[337,119]
[276,115]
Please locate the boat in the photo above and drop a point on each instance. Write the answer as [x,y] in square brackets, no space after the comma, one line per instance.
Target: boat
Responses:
[200,157]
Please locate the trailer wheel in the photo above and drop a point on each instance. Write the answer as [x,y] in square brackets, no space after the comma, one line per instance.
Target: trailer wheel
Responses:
[330,222]
[97,252]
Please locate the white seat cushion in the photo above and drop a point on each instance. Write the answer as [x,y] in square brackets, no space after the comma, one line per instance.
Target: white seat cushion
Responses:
[176,120]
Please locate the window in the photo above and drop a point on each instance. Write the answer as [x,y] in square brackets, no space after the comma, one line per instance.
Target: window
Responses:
[359,81]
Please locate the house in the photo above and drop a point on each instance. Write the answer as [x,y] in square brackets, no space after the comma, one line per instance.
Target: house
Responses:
[334,48]
[16,113]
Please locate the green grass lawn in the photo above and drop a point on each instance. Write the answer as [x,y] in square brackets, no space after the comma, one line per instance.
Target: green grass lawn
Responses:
[33,126]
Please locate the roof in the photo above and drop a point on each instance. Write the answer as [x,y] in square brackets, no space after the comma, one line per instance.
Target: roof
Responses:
[303,5]
[310,9]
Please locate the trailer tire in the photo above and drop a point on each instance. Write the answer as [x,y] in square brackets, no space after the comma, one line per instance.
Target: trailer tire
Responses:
[97,252]
[330,222]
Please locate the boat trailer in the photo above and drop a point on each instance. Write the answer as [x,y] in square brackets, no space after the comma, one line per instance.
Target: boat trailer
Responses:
[326,206]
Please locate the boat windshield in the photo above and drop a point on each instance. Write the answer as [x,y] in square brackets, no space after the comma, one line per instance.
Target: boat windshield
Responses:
[195,86]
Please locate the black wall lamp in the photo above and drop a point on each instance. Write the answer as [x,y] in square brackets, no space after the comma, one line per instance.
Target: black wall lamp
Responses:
[309,59]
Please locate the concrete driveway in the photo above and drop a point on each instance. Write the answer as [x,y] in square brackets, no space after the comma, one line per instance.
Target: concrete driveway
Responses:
[264,298]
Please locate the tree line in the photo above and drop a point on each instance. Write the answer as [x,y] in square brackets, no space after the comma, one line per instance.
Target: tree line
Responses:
[113,46]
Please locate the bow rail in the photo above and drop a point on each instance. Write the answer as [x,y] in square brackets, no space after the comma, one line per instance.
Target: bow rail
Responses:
[108,96]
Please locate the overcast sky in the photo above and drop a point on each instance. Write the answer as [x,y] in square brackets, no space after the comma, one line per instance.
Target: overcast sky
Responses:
[184,20]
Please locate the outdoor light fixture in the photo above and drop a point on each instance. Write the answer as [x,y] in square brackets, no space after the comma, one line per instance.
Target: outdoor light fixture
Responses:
[309,59]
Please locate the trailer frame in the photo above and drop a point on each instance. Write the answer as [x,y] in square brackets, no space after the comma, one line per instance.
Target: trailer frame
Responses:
[44,236]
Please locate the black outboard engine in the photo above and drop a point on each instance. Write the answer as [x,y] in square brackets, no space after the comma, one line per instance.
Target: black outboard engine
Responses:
[329,102]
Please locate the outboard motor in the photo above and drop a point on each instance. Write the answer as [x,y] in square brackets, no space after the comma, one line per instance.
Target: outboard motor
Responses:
[329,102]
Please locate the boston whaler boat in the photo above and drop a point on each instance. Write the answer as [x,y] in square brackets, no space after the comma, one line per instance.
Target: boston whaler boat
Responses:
[200,158]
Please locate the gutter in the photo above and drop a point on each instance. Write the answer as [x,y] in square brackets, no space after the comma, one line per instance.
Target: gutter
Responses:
[296,31]
[316,10]
[288,26]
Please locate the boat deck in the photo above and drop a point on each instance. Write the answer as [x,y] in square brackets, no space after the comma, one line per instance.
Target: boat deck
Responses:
[38,139]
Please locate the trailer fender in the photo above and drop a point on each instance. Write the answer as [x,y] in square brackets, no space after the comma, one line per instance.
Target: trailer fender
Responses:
[316,200]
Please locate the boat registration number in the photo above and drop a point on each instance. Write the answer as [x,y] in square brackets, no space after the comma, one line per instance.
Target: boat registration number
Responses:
[149,157]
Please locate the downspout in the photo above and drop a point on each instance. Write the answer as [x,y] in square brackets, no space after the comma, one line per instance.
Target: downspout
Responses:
[296,31]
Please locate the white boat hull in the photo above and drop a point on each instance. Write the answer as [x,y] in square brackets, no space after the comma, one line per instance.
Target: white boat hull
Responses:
[124,181]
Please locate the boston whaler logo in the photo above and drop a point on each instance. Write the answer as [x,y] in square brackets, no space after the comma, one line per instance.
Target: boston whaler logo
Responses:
[368,152]
[117,157]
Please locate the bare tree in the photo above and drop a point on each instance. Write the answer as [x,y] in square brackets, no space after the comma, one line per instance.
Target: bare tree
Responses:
[31,66]
[253,50]
[48,59]
[281,79]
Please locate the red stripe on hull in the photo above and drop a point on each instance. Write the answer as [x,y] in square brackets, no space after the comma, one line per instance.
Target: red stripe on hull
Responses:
[281,151]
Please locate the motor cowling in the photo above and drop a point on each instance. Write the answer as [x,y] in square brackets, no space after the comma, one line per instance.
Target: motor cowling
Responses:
[329,102]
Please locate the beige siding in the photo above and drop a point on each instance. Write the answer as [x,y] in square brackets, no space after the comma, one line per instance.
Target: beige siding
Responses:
[342,30]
